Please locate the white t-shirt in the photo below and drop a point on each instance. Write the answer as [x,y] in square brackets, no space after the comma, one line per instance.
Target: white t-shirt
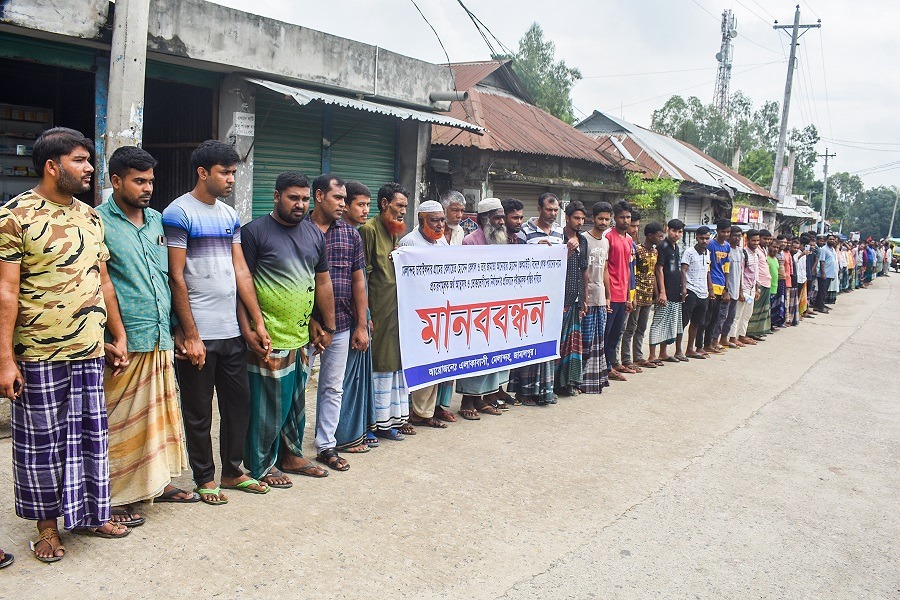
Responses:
[697,273]
[598,251]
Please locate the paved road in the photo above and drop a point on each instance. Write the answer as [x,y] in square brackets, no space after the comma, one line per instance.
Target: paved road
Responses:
[770,473]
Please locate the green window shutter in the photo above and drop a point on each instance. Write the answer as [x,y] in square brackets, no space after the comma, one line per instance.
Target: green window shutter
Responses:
[363,148]
[49,53]
[288,138]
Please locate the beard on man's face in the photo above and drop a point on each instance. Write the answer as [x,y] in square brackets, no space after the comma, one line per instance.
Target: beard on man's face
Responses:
[495,235]
[70,183]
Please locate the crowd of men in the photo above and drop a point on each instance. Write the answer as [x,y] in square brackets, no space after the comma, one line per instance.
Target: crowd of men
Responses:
[120,325]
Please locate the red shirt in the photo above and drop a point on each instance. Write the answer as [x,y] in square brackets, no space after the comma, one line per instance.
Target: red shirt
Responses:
[619,265]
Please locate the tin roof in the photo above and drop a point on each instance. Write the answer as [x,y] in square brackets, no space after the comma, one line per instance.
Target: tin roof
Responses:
[511,123]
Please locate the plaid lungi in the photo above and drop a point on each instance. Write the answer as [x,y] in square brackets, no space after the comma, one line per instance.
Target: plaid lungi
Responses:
[60,443]
[792,316]
[534,382]
[277,409]
[777,302]
[667,324]
[593,376]
[761,319]
[568,365]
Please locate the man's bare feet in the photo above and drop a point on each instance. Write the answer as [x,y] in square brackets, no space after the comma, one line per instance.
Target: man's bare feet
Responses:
[48,547]
[234,481]
[178,495]
[300,466]
[276,479]
[211,498]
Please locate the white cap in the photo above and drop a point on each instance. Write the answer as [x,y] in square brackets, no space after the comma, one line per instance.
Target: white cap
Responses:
[489,205]
[429,206]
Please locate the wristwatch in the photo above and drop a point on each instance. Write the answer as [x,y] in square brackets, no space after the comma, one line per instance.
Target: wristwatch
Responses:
[329,330]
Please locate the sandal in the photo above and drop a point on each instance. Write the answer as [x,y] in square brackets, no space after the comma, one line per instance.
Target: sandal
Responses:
[445,415]
[681,357]
[170,497]
[469,414]
[276,474]
[488,410]
[246,486]
[528,402]
[371,440]
[671,359]
[45,536]
[307,470]
[432,422]
[660,363]
[648,364]
[131,519]
[390,434]
[7,559]
[96,531]
[407,429]
[217,492]
[616,376]
[329,456]
[360,448]
[696,355]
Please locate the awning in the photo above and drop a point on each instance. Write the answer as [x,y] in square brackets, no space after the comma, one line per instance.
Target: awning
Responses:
[304,96]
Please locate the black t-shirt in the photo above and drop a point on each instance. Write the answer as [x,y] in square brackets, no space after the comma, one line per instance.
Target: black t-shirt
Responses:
[670,260]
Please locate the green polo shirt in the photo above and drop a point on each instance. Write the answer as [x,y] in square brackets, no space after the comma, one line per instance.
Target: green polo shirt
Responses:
[138,266]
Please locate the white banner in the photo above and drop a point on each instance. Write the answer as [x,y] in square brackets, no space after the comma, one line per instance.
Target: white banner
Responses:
[473,310]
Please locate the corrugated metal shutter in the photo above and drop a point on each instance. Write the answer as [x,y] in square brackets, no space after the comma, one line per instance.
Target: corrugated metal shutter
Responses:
[525,193]
[690,210]
[288,138]
[363,148]
[49,53]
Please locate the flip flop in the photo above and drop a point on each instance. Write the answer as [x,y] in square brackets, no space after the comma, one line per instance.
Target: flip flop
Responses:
[469,414]
[210,492]
[390,434]
[273,472]
[170,497]
[95,531]
[244,486]
[309,470]
[131,521]
[357,449]
[696,356]
[433,422]
[8,559]
[672,359]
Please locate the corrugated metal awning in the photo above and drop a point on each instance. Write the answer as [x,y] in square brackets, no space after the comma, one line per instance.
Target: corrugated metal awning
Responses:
[304,96]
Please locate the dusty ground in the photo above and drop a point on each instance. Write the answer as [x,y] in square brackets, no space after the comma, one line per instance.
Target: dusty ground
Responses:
[772,472]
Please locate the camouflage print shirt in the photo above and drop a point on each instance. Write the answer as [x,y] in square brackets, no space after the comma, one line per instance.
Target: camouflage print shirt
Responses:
[59,249]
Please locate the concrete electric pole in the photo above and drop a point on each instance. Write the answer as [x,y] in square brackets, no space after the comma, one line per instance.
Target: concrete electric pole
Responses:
[797,30]
[826,156]
[724,56]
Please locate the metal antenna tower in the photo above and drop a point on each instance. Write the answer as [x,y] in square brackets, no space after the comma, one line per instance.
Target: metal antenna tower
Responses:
[724,56]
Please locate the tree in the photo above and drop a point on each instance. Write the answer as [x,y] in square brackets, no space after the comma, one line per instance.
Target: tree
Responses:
[548,81]
[870,214]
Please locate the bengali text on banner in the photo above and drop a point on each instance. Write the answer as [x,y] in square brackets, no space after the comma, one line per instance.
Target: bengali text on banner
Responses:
[473,310]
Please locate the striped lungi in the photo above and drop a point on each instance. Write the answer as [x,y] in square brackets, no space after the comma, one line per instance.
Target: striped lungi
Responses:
[593,376]
[667,324]
[761,319]
[358,403]
[777,302]
[146,431]
[568,365]
[534,382]
[792,313]
[391,400]
[60,443]
[803,300]
[277,409]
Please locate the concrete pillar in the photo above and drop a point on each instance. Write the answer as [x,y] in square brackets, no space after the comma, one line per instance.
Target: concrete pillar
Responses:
[101,96]
[237,100]
[414,141]
[128,61]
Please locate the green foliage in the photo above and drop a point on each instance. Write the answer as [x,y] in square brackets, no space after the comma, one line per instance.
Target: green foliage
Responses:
[652,193]
[758,166]
[870,214]
[548,81]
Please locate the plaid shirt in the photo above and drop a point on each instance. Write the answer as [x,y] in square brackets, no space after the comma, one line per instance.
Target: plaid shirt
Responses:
[345,257]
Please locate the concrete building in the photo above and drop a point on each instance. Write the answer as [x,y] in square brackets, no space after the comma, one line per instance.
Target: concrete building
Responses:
[523,152]
[287,97]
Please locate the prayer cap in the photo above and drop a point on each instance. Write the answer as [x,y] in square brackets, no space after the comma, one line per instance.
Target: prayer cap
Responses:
[489,205]
[429,206]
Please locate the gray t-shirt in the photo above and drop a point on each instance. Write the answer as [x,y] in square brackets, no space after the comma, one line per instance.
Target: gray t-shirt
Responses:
[207,233]
[697,272]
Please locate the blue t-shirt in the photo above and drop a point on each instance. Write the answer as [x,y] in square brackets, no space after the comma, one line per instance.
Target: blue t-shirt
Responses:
[829,258]
[719,263]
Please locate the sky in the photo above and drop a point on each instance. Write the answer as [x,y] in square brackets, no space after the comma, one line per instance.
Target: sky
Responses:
[635,55]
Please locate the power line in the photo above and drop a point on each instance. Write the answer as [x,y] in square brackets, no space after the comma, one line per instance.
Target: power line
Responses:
[810,8]
[866,143]
[877,168]
[809,86]
[706,10]
[863,147]
[754,13]
[667,72]
[825,81]
[765,10]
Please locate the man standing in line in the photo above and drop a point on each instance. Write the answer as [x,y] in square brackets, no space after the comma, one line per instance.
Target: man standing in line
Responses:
[761,319]
[381,236]
[287,258]
[146,432]
[568,367]
[697,288]
[533,385]
[827,270]
[719,250]
[346,268]
[207,273]
[428,234]
[594,377]
[514,216]
[749,291]
[55,300]
[733,280]
[667,326]
[618,276]
[355,430]
[480,393]
[543,228]
[454,205]
[644,299]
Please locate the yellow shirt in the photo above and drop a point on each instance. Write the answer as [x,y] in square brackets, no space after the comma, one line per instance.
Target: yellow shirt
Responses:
[59,248]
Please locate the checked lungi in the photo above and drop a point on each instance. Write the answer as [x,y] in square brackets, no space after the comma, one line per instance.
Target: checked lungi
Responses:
[568,365]
[777,304]
[667,324]
[277,409]
[761,319]
[792,313]
[60,443]
[594,369]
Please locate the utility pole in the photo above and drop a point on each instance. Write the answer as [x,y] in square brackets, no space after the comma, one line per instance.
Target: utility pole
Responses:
[724,56]
[893,213]
[825,189]
[786,105]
